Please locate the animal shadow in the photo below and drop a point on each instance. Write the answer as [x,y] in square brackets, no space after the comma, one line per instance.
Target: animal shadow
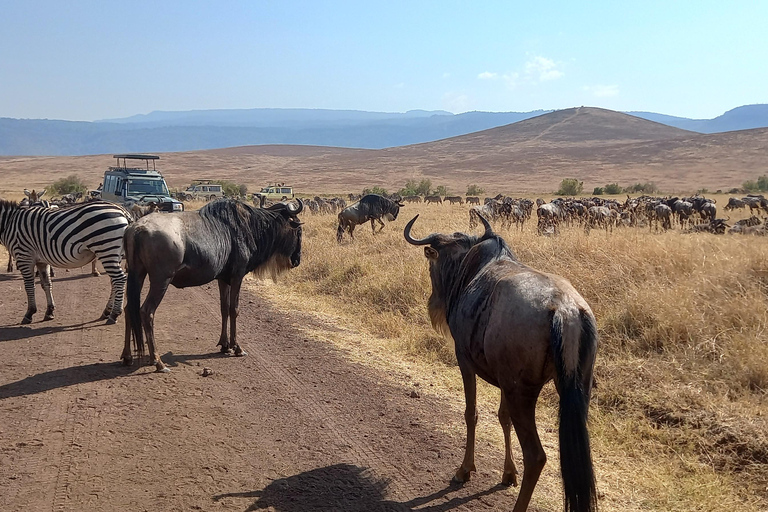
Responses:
[346,488]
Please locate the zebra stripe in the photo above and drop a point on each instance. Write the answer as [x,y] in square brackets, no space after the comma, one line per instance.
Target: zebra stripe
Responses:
[68,238]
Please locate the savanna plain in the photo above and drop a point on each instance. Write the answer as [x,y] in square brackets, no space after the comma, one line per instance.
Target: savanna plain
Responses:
[679,416]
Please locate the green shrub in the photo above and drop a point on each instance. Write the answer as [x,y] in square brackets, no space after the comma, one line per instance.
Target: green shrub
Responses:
[376,190]
[441,190]
[613,188]
[474,190]
[570,187]
[69,185]
[597,191]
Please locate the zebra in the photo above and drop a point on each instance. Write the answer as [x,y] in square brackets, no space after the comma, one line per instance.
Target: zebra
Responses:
[68,238]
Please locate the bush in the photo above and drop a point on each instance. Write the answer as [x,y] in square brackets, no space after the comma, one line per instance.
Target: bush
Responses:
[441,190]
[570,187]
[229,188]
[412,188]
[597,191]
[647,188]
[69,185]
[376,190]
[474,190]
[735,191]
[762,183]
[750,186]
[613,188]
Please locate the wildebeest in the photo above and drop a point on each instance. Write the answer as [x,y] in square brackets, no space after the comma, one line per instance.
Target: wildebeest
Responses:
[370,207]
[517,329]
[454,199]
[433,199]
[735,204]
[224,240]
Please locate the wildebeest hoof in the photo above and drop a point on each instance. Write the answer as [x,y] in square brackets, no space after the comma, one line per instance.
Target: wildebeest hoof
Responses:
[240,352]
[48,317]
[224,350]
[26,320]
[127,361]
[463,475]
[509,479]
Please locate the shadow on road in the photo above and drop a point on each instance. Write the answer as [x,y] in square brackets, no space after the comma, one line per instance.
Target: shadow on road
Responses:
[346,488]
[64,377]
[20,332]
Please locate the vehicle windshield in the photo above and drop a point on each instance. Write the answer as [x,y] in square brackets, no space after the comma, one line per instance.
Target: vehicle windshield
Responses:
[147,187]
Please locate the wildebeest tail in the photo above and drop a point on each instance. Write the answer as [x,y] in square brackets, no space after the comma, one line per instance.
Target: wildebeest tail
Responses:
[574,347]
[133,291]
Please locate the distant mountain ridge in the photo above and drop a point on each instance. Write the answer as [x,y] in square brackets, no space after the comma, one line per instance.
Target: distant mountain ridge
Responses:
[174,131]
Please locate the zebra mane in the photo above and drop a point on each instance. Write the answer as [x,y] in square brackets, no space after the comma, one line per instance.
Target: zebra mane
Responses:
[6,204]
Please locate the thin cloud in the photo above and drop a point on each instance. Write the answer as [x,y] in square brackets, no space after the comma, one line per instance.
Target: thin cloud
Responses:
[511,79]
[455,102]
[603,91]
[487,75]
[542,69]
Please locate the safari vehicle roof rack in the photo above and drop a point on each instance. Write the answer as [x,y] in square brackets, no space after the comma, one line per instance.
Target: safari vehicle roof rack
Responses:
[126,157]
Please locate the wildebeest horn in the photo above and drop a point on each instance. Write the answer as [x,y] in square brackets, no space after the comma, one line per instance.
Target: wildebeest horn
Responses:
[414,241]
[488,228]
[299,209]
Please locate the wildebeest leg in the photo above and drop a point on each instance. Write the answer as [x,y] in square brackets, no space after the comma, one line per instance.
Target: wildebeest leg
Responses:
[224,293]
[470,416]
[234,311]
[157,289]
[373,226]
[522,409]
[45,282]
[510,471]
[381,222]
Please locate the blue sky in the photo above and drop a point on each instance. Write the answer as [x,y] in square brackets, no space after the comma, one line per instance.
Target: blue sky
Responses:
[83,60]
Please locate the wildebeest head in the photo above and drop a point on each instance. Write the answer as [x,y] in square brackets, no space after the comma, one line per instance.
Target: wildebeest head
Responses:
[453,260]
[292,223]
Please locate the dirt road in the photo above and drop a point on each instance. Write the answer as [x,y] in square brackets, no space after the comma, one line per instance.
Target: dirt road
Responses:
[292,427]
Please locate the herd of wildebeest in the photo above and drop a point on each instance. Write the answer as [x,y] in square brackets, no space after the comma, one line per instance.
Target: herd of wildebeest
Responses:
[691,214]
[515,327]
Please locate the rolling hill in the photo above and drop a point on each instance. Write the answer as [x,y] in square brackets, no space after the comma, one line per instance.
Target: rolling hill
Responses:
[211,129]
[594,145]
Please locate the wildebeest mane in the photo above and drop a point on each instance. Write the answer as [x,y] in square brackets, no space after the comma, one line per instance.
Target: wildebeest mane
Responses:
[254,232]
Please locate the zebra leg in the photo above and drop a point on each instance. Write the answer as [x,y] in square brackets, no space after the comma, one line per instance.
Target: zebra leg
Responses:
[10,262]
[27,270]
[117,277]
[45,282]
[94,270]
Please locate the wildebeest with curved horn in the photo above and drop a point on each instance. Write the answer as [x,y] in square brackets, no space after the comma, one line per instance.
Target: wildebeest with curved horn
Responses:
[224,240]
[370,207]
[517,328]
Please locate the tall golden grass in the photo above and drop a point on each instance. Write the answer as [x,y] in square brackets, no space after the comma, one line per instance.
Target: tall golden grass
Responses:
[679,418]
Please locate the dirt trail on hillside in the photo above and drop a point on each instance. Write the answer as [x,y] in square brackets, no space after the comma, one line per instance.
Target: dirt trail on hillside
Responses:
[292,427]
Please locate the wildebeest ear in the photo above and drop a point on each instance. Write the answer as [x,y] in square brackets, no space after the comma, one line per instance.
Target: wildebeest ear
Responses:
[295,224]
[430,253]
[400,204]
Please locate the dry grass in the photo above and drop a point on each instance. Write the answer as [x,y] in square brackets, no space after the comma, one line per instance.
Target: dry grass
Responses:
[678,418]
